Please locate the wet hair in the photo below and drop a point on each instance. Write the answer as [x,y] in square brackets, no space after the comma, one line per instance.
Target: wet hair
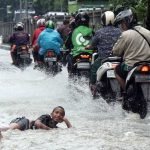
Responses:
[60,108]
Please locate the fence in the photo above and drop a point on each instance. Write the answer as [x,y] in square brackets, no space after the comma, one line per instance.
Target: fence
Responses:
[7,28]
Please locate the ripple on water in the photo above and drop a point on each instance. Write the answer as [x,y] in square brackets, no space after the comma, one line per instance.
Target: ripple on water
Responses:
[96,125]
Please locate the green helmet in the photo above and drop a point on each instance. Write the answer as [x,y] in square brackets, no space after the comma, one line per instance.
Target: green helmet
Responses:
[50,24]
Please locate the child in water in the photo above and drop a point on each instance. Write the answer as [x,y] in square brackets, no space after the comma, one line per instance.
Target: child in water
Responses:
[46,122]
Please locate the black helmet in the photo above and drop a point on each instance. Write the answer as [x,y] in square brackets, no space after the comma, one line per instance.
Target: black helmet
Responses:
[82,19]
[128,16]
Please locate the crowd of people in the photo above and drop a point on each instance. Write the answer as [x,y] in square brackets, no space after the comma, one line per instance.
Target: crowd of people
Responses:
[120,35]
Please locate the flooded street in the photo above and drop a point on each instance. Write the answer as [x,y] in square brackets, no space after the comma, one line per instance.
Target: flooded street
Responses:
[96,125]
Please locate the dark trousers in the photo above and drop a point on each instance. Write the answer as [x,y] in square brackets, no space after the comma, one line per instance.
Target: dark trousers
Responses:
[69,59]
[35,56]
[94,69]
[14,56]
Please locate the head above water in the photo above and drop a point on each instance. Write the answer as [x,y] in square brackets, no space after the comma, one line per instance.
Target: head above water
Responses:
[60,108]
[58,114]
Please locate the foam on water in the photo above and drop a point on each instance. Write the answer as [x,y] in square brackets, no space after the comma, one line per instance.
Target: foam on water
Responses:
[96,125]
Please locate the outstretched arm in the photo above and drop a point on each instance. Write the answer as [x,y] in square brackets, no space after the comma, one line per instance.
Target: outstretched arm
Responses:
[4,129]
[68,124]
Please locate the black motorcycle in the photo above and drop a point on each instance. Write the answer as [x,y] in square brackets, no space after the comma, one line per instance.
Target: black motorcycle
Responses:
[23,58]
[51,63]
[137,93]
[81,65]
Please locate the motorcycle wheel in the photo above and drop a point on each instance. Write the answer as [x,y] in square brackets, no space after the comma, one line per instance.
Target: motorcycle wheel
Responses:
[135,102]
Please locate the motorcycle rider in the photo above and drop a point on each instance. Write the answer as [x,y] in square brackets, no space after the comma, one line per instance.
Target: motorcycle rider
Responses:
[80,37]
[49,39]
[37,31]
[18,38]
[103,41]
[64,29]
[68,43]
[132,45]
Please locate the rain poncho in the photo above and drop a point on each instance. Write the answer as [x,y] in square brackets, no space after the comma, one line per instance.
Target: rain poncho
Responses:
[49,39]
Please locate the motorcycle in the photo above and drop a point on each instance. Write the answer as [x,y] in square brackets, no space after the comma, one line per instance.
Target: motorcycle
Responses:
[51,63]
[137,91]
[81,65]
[107,85]
[22,56]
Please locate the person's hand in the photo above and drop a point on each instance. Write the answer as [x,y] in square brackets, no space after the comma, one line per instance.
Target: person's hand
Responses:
[68,124]
[64,119]
[87,47]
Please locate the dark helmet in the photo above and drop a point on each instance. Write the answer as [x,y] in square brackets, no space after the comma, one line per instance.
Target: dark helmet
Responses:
[19,26]
[82,19]
[108,18]
[50,24]
[128,16]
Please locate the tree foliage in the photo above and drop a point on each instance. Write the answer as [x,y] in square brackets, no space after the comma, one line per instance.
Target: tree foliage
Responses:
[141,7]
[40,6]
[43,6]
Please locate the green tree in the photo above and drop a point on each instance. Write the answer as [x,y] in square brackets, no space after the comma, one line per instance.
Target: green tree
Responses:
[43,6]
[141,7]
[148,15]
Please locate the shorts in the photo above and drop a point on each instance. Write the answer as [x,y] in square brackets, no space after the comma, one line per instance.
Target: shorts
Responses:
[22,122]
[122,70]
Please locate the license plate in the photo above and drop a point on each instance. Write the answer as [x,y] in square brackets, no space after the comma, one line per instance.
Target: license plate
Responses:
[83,65]
[50,59]
[111,74]
[25,56]
[50,63]
[142,78]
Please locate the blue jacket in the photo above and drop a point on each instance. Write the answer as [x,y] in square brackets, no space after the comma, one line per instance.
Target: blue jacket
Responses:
[49,39]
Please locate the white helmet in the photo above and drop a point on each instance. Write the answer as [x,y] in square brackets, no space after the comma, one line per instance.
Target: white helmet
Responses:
[41,22]
[19,26]
[108,18]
